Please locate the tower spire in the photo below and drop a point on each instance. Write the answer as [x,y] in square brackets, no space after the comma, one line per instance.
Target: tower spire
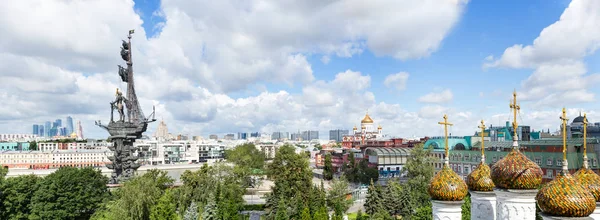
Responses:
[446,124]
[564,136]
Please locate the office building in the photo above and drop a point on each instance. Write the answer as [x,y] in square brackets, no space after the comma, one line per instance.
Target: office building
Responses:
[36,130]
[47,128]
[242,136]
[229,137]
[310,135]
[255,134]
[213,137]
[69,125]
[338,134]
[278,135]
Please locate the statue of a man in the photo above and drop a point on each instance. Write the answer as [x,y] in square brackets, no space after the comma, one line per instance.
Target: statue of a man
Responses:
[118,104]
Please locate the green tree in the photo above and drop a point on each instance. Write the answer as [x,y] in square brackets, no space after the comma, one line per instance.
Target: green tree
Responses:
[321,214]
[419,170]
[360,216]
[374,201]
[291,177]
[466,208]
[210,210]
[282,213]
[191,213]
[424,213]
[350,171]
[69,193]
[15,196]
[3,172]
[33,145]
[305,214]
[246,155]
[364,173]
[392,197]
[165,208]
[136,198]
[336,197]
[328,169]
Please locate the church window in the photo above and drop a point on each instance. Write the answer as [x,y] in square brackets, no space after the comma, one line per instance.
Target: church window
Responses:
[558,162]
[538,161]
[549,162]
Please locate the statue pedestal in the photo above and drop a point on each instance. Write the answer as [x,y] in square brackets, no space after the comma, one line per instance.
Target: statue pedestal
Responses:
[596,213]
[515,204]
[548,217]
[483,205]
[450,210]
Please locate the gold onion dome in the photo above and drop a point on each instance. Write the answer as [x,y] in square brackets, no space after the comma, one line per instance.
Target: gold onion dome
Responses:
[447,186]
[516,171]
[564,196]
[480,179]
[590,180]
[367,119]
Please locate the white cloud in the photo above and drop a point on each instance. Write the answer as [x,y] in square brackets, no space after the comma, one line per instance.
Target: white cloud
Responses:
[205,52]
[437,97]
[396,80]
[557,56]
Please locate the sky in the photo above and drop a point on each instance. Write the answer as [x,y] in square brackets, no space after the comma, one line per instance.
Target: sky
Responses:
[217,67]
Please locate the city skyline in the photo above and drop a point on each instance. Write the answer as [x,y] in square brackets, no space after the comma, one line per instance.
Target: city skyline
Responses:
[294,71]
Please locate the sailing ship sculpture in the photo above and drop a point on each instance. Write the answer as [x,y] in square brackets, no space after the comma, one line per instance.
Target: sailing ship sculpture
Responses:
[129,126]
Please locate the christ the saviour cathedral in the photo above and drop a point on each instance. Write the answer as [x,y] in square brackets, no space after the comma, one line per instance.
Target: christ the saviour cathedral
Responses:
[512,188]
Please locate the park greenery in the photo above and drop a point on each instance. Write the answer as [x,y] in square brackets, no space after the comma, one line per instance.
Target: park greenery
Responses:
[216,191]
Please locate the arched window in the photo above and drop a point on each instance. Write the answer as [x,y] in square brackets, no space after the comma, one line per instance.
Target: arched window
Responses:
[459,146]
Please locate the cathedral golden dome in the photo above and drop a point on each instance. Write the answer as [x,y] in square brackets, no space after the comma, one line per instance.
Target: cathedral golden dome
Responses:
[354,128]
[367,119]
[379,127]
[565,196]
[590,180]
[480,179]
[447,186]
[516,171]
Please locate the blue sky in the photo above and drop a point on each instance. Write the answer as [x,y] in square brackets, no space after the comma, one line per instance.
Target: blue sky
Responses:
[228,66]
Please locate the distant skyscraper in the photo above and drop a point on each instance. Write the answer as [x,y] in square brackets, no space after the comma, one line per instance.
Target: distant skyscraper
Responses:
[69,125]
[79,131]
[242,136]
[36,130]
[62,131]
[278,135]
[254,134]
[41,131]
[58,122]
[47,129]
[337,134]
[310,135]
[161,130]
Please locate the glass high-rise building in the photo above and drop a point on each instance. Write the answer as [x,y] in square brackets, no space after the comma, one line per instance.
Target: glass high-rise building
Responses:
[47,129]
[36,129]
[69,125]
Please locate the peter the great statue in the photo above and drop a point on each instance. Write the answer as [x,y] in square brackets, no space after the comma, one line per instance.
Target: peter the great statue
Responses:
[128,127]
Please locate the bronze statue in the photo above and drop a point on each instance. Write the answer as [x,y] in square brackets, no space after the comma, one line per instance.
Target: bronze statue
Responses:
[118,104]
[124,73]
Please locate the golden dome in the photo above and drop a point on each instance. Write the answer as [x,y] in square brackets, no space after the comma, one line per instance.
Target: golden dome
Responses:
[354,128]
[367,119]
[590,180]
[379,127]
[447,186]
[480,179]
[516,171]
[565,196]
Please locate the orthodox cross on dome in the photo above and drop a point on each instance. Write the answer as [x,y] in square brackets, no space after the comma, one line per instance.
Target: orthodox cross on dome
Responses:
[482,126]
[564,134]
[446,124]
[515,107]
[585,158]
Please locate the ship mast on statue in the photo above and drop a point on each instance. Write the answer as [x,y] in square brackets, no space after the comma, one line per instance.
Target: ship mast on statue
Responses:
[129,127]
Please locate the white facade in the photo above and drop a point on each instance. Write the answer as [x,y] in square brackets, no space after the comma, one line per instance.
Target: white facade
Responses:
[447,210]
[515,204]
[483,205]
[17,137]
[54,159]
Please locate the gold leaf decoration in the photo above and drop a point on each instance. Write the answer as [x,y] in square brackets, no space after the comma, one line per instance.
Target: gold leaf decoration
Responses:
[447,186]
[566,197]
[480,179]
[516,171]
[590,180]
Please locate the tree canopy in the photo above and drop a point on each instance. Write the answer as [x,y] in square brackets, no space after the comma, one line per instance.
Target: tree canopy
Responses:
[69,193]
